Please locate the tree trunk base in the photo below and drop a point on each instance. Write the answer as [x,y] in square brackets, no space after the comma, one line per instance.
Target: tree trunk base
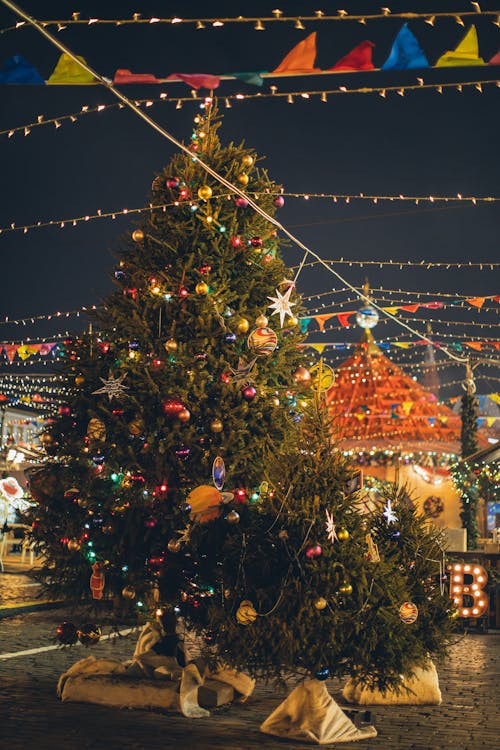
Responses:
[420,690]
[309,714]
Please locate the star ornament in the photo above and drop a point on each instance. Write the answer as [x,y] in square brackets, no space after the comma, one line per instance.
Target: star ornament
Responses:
[113,387]
[389,514]
[242,373]
[281,304]
[330,527]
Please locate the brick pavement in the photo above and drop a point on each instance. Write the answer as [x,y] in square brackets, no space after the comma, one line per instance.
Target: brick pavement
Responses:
[32,717]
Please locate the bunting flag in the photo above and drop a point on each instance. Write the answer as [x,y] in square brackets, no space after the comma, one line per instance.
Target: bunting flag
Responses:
[474,345]
[402,344]
[17,70]
[304,324]
[321,320]
[10,351]
[252,78]
[391,310]
[491,421]
[319,347]
[196,80]
[476,301]
[467,52]
[343,318]
[409,308]
[122,75]
[359,58]
[27,350]
[406,53]
[301,58]
[68,73]
[495,397]
[407,407]
[495,60]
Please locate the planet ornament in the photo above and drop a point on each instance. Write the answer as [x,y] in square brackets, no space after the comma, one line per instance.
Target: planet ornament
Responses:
[246,613]
[408,612]
[367,317]
[322,376]
[263,341]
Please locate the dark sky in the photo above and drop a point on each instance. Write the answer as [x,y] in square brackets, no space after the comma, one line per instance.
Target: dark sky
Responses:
[423,143]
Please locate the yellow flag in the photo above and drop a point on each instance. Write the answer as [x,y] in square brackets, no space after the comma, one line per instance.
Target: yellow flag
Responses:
[407,407]
[494,397]
[402,344]
[68,72]
[391,310]
[490,421]
[319,347]
[467,53]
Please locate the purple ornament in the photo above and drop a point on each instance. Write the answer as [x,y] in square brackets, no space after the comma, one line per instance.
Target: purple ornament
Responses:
[231,337]
[249,393]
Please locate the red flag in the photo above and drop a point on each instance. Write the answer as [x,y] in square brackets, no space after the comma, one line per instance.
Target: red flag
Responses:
[359,58]
[344,318]
[196,80]
[433,305]
[123,75]
[495,60]
[301,58]
[10,351]
[409,308]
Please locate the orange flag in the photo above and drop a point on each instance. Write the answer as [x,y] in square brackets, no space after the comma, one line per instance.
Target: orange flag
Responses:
[321,320]
[474,345]
[301,58]
[476,301]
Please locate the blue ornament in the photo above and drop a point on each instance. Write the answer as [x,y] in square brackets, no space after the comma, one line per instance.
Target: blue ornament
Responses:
[219,472]
[322,674]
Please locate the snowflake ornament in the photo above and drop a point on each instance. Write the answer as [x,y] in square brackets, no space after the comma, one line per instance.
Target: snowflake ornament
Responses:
[281,304]
[389,514]
[113,387]
[330,527]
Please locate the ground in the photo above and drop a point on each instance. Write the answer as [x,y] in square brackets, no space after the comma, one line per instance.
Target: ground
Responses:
[31,716]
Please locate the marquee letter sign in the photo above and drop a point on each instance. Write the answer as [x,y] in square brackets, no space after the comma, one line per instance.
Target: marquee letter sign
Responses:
[466,589]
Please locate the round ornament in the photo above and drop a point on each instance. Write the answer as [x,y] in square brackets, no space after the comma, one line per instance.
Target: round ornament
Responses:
[138,235]
[301,375]
[216,425]
[343,535]
[172,182]
[205,192]
[96,430]
[247,161]
[174,546]
[184,416]
[79,380]
[128,592]
[345,589]
[261,321]
[367,317]
[292,322]
[241,202]
[89,634]
[256,242]
[320,603]
[313,551]
[322,674]
[74,545]
[230,337]
[219,472]
[408,612]
[279,201]
[233,517]
[172,407]
[246,613]
[201,288]
[66,634]
[249,393]
[323,377]
[242,325]
[136,427]
[243,179]
[263,341]
[433,506]
[171,346]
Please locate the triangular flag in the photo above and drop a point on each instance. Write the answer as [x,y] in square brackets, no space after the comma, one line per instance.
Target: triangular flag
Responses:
[391,310]
[359,58]
[10,351]
[68,72]
[490,421]
[123,75]
[384,345]
[46,349]
[467,52]
[476,301]
[474,345]
[495,397]
[196,80]
[304,324]
[480,421]
[319,347]
[432,305]
[495,60]
[321,320]
[301,58]
[402,344]
[17,70]
[253,78]
[406,53]
[407,407]
[344,318]
[410,308]
[431,421]
[25,351]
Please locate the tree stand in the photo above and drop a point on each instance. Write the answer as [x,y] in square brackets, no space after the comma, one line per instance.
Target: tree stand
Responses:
[419,690]
[310,714]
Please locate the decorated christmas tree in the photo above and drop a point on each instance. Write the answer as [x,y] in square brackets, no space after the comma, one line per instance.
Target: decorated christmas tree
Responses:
[181,375]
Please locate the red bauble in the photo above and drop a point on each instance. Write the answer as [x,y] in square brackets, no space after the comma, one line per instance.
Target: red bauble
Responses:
[236,241]
[313,551]
[65,411]
[173,182]
[279,201]
[172,407]
[256,242]
[241,202]
[205,269]
[249,393]
[183,292]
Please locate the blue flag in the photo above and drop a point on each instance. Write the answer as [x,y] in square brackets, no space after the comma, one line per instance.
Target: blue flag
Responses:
[406,52]
[17,70]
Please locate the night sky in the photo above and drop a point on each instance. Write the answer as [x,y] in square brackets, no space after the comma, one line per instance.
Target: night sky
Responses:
[424,143]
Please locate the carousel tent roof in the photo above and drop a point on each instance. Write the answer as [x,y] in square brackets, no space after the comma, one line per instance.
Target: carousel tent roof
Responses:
[373,402]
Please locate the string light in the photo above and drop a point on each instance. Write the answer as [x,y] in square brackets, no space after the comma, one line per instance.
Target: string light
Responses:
[322,94]
[425,264]
[277,16]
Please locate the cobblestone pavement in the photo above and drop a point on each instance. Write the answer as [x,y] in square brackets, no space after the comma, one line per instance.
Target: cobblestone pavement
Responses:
[31,716]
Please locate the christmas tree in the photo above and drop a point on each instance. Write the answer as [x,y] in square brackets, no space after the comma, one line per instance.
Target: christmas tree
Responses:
[303,590]
[181,376]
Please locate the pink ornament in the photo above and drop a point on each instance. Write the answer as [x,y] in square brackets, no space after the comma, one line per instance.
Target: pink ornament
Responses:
[313,551]
[241,202]
[249,393]
[279,201]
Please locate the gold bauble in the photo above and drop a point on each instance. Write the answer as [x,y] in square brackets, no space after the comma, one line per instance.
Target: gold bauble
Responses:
[136,427]
[201,288]
[79,380]
[301,375]
[128,592]
[247,161]
[320,603]
[184,415]
[246,613]
[74,545]
[292,322]
[174,546]
[138,235]
[233,517]
[171,346]
[96,429]
[261,321]
[343,535]
[216,425]
[242,325]
[345,589]
[243,178]
[205,192]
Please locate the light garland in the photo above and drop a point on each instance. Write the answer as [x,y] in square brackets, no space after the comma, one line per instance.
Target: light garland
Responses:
[48,316]
[290,97]
[425,264]
[277,16]
[417,199]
